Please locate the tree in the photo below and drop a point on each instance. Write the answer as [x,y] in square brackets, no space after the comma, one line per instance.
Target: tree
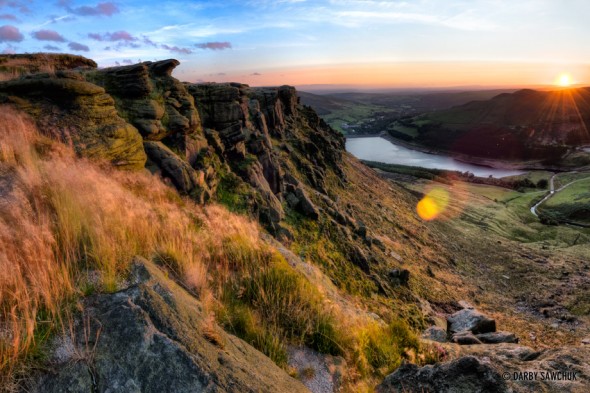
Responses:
[543,183]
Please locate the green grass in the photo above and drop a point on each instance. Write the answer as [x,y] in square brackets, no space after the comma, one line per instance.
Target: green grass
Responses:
[578,192]
[320,242]
[506,213]
[565,178]
[269,305]
[351,115]
[570,204]
[533,176]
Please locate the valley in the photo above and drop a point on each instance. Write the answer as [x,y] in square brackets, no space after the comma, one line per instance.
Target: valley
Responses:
[232,225]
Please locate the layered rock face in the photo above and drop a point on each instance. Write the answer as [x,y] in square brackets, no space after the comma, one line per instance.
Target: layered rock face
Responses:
[196,135]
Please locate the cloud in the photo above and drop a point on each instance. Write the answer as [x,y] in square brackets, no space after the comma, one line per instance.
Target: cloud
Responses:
[10,34]
[51,48]
[65,18]
[176,49]
[255,74]
[101,9]
[48,35]
[20,5]
[214,45]
[8,17]
[149,42]
[116,36]
[78,47]
[127,61]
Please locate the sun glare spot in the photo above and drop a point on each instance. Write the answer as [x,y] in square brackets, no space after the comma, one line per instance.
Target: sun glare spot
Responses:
[564,80]
[433,204]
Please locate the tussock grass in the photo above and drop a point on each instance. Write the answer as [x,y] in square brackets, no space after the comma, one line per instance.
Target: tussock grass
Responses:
[70,227]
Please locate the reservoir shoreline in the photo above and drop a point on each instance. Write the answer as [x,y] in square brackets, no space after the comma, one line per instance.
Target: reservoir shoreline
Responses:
[464,158]
[388,151]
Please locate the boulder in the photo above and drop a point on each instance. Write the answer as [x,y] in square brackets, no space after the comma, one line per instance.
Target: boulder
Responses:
[497,337]
[569,365]
[435,333]
[399,276]
[472,320]
[465,338]
[467,374]
[154,337]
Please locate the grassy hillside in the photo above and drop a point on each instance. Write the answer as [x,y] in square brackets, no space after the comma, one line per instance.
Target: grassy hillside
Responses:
[369,113]
[71,227]
[524,125]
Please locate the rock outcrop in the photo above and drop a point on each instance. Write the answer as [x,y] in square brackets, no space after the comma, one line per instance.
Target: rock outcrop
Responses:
[465,375]
[497,368]
[196,135]
[153,337]
[14,65]
[79,112]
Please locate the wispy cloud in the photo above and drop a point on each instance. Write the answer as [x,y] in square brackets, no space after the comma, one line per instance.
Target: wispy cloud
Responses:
[19,5]
[51,48]
[176,49]
[48,35]
[116,36]
[63,18]
[75,46]
[100,9]
[8,17]
[214,45]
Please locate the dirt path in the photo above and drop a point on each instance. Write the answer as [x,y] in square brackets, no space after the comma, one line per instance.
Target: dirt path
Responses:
[553,191]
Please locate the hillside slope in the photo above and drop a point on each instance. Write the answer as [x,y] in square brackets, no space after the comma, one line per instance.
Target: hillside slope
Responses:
[252,221]
[524,125]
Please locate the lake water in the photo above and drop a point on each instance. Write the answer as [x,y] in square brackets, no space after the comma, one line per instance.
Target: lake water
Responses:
[381,150]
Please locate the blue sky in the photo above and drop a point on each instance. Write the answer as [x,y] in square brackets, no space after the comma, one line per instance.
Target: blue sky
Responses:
[265,42]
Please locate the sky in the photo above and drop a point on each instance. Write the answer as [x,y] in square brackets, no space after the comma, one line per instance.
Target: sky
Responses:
[421,43]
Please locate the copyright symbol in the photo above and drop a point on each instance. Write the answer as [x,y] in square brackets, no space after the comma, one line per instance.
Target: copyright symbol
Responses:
[506,376]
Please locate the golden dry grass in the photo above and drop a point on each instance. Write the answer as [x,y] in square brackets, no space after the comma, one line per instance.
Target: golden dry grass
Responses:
[69,227]
[65,221]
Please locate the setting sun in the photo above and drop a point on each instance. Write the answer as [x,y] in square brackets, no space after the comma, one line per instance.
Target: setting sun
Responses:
[564,80]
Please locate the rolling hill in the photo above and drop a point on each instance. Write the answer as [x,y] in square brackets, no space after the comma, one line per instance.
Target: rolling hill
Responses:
[527,124]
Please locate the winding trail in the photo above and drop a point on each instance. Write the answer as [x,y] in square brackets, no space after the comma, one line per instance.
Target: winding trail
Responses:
[553,191]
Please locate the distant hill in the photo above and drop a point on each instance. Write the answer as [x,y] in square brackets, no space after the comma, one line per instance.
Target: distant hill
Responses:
[324,104]
[355,113]
[524,124]
[420,101]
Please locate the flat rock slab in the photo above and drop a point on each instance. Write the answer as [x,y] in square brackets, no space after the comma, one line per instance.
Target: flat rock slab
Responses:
[497,338]
[465,338]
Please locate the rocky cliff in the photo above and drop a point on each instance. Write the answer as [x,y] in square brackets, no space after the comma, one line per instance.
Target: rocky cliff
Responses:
[262,154]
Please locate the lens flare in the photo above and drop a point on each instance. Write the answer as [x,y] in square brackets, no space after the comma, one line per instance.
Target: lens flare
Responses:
[433,204]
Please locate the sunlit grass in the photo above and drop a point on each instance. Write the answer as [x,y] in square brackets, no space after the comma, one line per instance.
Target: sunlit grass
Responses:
[70,228]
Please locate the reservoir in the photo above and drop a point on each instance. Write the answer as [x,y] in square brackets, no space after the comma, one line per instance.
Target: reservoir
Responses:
[381,150]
